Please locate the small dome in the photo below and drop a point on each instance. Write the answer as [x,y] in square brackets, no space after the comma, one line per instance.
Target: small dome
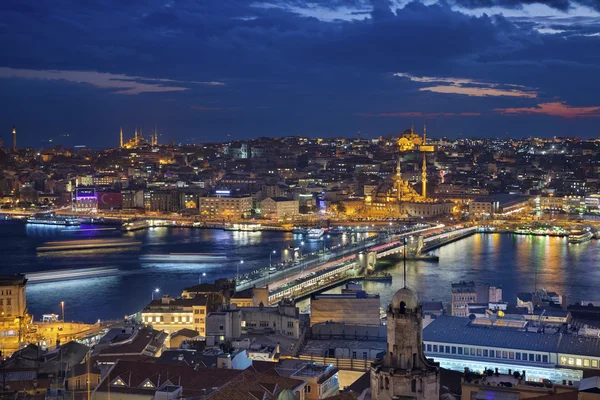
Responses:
[407,296]
[286,394]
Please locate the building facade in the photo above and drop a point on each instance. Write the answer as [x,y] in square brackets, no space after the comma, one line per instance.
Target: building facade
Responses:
[404,372]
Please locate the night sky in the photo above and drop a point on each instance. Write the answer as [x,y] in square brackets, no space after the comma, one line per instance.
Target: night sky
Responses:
[217,70]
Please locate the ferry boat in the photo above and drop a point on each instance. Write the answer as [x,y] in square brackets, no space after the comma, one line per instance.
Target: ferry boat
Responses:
[87,244]
[184,257]
[134,225]
[53,219]
[315,233]
[243,227]
[579,237]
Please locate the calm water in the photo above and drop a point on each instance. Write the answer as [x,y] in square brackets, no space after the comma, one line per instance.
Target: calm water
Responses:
[507,260]
[112,297]
[500,259]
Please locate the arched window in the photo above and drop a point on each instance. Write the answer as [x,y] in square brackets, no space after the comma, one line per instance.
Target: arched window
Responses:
[413,385]
[402,307]
[387,383]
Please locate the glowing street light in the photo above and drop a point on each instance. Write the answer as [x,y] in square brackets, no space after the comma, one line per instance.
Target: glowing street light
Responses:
[62,307]
[237,272]
[200,278]
[157,290]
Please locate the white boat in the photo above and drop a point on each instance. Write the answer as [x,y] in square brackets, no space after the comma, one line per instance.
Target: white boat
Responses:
[579,237]
[184,257]
[53,219]
[315,233]
[134,225]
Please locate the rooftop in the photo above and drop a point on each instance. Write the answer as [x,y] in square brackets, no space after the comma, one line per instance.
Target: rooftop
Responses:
[9,280]
[447,329]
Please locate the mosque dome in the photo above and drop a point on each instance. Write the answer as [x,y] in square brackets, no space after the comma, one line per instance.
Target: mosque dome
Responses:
[286,394]
[407,296]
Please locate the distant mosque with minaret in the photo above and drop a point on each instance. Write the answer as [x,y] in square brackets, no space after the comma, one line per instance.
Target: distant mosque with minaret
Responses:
[396,196]
[138,140]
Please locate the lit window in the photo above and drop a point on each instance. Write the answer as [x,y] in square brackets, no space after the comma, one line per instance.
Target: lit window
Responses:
[118,382]
[594,363]
[571,361]
[586,362]
[578,362]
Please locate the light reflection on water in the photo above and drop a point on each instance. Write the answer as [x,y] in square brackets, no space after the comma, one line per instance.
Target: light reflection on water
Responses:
[115,296]
[507,260]
[499,259]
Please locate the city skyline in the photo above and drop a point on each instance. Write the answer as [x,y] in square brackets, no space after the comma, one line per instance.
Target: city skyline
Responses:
[206,72]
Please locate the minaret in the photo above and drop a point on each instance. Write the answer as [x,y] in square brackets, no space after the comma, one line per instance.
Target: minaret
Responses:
[14,133]
[398,180]
[121,137]
[424,176]
[424,168]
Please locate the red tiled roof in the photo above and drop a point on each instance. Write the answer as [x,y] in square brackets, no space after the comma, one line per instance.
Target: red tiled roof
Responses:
[254,385]
[144,338]
[134,374]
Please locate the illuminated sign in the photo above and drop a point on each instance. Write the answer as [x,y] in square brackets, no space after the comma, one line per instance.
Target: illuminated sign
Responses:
[224,192]
[85,193]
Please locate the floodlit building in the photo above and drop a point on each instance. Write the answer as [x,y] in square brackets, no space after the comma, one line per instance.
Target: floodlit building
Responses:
[279,208]
[404,372]
[225,206]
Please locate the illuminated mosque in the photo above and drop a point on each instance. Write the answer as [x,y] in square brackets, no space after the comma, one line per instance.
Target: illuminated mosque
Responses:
[138,140]
[396,196]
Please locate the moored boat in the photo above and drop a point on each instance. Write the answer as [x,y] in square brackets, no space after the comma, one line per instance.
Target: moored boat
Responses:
[53,219]
[576,237]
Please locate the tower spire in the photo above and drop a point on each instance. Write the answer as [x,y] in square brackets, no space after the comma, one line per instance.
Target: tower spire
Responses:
[121,137]
[424,132]
[14,134]
[424,176]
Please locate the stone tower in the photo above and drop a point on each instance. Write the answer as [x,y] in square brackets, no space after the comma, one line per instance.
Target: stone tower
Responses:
[404,372]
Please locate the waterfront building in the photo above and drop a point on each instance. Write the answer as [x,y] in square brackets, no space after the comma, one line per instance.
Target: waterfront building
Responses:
[85,200]
[503,204]
[279,208]
[458,343]
[171,315]
[358,308]
[404,372]
[225,206]
[13,311]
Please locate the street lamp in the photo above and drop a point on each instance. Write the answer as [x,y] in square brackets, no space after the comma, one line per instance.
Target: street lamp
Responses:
[200,278]
[62,307]
[270,266]
[301,246]
[237,272]
[157,290]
